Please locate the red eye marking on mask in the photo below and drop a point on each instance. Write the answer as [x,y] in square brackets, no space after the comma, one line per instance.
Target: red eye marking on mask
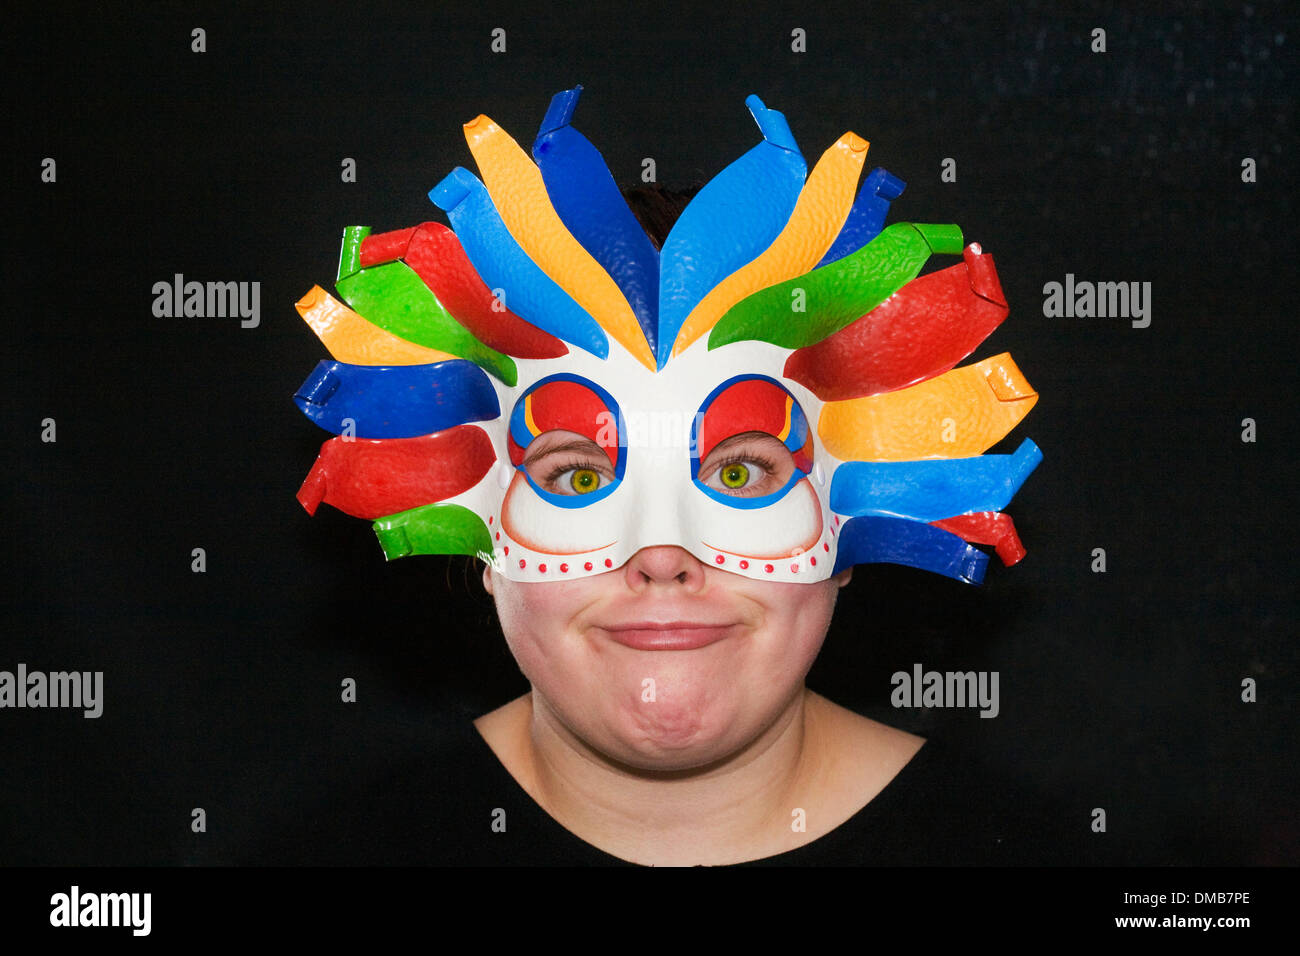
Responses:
[756,405]
[563,406]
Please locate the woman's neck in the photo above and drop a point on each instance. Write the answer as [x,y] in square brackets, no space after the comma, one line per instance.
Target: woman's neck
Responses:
[815,766]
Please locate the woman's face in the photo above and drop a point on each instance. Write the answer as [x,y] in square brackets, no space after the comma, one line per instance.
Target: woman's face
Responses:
[665,663]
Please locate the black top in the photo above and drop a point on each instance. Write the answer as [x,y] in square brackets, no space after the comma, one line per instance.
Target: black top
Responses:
[413,796]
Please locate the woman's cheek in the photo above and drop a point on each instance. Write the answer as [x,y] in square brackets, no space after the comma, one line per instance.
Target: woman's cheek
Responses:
[537,621]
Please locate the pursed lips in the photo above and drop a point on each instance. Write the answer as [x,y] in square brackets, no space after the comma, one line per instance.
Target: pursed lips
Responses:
[667,635]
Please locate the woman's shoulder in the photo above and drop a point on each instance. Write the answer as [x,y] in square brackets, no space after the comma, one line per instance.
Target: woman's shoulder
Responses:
[860,739]
[853,759]
[945,805]
[505,731]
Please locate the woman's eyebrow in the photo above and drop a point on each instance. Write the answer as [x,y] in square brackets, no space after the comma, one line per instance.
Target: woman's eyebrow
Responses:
[572,445]
[740,439]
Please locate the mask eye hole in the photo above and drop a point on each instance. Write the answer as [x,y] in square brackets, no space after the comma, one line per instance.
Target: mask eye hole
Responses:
[566,463]
[747,465]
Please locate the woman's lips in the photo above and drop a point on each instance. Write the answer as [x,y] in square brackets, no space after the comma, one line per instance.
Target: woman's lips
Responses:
[673,636]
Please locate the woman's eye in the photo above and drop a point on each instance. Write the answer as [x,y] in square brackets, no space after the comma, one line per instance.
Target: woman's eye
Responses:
[735,475]
[748,465]
[565,463]
[743,476]
[576,481]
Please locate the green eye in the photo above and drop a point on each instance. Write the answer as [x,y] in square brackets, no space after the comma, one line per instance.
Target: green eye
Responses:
[735,475]
[584,480]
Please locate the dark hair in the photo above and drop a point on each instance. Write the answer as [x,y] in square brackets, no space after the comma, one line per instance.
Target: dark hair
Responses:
[657,207]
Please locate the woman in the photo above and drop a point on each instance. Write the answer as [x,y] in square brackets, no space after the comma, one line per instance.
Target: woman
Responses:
[732,758]
[670,447]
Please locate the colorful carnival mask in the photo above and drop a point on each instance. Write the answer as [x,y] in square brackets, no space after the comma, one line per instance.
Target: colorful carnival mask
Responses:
[774,390]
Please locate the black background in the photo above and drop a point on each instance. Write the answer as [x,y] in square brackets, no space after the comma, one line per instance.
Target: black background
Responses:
[1119,690]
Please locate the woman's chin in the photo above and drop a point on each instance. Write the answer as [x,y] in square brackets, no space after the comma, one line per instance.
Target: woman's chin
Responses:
[679,733]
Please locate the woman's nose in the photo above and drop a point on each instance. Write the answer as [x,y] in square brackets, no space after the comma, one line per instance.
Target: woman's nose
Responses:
[664,564]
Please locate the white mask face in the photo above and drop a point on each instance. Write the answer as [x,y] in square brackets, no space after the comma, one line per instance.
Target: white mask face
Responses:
[715,453]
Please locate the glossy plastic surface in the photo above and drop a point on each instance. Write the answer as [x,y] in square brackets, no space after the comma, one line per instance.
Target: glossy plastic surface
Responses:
[808,308]
[402,401]
[515,184]
[436,255]
[934,489]
[371,478]
[821,208]
[589,202]
[867,217]
[502,264]
[922,330]
[729,222]
[874,539]
[959,414]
